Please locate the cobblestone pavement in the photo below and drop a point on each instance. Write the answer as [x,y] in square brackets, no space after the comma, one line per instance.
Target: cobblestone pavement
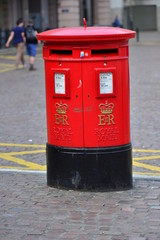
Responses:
[30,209]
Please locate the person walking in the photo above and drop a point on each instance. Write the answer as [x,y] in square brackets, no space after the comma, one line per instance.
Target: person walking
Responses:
[17,34]
[31,43]
[116,22]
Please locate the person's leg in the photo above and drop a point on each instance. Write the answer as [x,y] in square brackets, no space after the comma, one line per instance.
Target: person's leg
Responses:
[31,60]
[22,55]
[32,56]
[18,55]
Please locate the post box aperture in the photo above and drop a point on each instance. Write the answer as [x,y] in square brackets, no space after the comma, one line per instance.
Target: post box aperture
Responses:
[88,108]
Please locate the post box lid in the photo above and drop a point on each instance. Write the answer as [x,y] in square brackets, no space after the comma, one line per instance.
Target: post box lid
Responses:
[84,34]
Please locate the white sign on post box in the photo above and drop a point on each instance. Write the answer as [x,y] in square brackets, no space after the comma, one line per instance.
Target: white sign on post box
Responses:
[59,83]
[106,82]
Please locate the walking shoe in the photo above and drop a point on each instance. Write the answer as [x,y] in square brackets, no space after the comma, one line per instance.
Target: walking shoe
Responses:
[31,68]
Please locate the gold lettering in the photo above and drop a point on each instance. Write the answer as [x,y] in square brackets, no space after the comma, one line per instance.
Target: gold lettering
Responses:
[57,119]
[110,119]
[102,120]
[65,120]
[61,119]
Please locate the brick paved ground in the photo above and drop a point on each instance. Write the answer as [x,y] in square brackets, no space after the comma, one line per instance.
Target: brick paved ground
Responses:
[145,89]
[31,210]
[22,95]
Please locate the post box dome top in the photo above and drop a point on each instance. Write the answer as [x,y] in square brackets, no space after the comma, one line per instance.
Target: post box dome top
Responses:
[84,34]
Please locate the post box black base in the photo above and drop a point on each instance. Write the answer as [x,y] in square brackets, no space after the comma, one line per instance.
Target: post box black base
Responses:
[90,169]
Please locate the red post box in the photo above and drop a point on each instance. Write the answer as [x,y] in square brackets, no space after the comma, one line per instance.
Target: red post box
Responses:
[88,108]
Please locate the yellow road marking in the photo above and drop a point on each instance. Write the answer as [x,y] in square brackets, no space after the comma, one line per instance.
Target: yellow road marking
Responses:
[22,145]
[147,173]
[146,150]
[13,167]
[8,57]
[20,161]
[13,57]
[42,145]
[3,65]
[24,152]
[29,165]
[7,64]
[12,157]
[146,166]
[8,67]
[147,158]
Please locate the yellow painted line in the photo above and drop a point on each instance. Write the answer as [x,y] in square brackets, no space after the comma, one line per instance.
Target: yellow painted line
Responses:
[22,145]
[43,146]
[20,161]
[7,64]
[146,166]
[13,167]
[29,165]
[10,156]
[8,57]
[147,173]
[147,158]
[11,57]
[6,70]
[5,67]
[24,152]
[146,150]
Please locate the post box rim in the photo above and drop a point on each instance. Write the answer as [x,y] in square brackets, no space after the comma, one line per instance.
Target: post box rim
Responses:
[86,34]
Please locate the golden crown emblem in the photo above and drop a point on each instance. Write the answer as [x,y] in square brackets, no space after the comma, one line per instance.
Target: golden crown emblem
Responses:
[61,108]
[106,108]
